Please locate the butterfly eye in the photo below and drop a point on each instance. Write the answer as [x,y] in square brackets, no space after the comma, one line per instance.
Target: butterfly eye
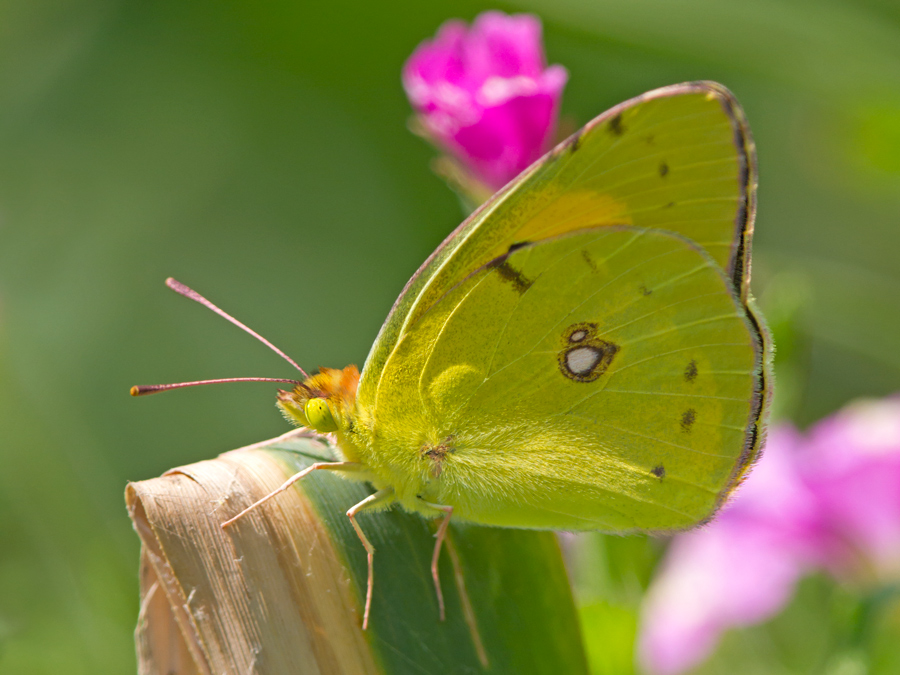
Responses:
[319,416]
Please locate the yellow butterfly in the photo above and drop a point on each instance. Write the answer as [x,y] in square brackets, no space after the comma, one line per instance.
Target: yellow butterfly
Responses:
[581,353]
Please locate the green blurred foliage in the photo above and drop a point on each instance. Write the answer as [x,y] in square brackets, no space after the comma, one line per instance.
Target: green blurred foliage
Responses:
[258,152]
[610,575]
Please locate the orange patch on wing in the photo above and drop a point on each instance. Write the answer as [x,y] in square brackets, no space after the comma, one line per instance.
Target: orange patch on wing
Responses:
[574,211]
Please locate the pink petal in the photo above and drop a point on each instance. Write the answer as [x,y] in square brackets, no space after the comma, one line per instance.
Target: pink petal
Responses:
[853,465]
[507,138]
[506,45]
[730,574]
[738,570]
[830,500]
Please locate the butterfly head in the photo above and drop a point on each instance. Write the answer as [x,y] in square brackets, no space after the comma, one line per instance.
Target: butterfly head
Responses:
[323,402]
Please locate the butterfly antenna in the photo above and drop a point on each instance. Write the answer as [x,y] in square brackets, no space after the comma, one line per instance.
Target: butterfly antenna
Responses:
[181,289]
[145,389]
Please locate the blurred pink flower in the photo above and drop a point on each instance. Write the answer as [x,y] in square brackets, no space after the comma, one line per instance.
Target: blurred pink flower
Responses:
[485,94]
[830,500]
[852,463]
[739,570]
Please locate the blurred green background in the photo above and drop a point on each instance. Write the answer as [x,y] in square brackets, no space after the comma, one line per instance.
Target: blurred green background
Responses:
[258,152]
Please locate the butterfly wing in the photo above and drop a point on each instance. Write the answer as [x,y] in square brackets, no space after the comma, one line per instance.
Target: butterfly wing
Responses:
[607,379]
[678,158]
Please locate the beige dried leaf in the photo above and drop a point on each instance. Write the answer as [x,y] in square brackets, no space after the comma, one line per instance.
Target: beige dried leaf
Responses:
[267,595]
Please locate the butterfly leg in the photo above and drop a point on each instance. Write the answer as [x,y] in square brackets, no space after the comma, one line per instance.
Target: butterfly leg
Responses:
[441,534]
[333,466]
[375,502]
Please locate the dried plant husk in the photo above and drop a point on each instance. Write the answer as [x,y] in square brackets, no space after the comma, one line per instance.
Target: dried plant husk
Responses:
[282,590]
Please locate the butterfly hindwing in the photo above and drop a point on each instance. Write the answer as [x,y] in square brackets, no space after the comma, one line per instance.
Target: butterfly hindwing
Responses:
[605,379]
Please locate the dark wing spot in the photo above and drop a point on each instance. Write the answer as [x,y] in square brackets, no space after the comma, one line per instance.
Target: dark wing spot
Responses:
[650,139]
[669,205]
[578,336]
[584,357]
[516,246]
[644,290]
[690,373]
[581,361]
[589,260]
[663,169]
[509,273]
[615,125]
[687,420]
[575,142]
[659,471]
[578,332]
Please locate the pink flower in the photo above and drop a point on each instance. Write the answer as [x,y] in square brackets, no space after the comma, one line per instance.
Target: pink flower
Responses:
[852,463]
[830,500]
[737,571]
[485,94]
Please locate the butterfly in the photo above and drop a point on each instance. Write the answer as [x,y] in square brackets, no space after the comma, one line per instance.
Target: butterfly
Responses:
[582,353]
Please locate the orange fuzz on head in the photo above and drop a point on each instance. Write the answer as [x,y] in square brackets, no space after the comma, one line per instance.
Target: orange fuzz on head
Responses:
[323,400]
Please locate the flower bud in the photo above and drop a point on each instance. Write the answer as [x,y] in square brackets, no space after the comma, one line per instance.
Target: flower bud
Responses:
[486,96]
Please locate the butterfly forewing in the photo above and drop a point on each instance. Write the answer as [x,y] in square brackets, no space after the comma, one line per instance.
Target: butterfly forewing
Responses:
[679,158]
[607,379]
